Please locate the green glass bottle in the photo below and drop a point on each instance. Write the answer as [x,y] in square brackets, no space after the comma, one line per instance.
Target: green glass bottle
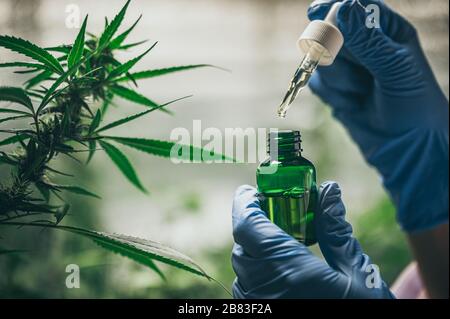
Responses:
[287,186]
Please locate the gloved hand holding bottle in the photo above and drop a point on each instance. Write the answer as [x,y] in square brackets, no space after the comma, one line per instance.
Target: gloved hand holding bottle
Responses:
[271,264]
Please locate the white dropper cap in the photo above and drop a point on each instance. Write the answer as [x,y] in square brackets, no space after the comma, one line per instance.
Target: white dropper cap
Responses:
[322,38]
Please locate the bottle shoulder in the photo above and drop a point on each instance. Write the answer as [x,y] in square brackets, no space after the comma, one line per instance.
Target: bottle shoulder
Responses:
[297,161]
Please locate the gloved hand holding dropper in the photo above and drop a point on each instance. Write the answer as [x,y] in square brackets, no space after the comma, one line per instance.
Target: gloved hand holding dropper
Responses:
[382,89]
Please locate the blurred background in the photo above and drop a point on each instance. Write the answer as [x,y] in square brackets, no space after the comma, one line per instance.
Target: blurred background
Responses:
[189,206]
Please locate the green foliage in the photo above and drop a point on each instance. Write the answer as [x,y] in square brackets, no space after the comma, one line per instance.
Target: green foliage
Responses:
[160,148]
[16,95]
[132,96]
[31,50]
[117,42]
[23,64]
[67,98]
[112,27]
[75,189]
[124,68]
[141,250]
[382,239]
[123,164]
[76,53]
[158,72]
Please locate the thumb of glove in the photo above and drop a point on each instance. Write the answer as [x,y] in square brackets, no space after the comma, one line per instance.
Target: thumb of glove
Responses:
[334,234]
[342,251]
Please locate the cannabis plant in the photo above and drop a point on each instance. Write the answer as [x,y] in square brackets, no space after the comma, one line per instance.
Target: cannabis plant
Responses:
[65,101]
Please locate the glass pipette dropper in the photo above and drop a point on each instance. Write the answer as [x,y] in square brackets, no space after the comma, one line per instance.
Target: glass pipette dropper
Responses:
[299,81]
[320,42]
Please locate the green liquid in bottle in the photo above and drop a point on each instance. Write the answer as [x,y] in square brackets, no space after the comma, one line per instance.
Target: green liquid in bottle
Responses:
[287,186]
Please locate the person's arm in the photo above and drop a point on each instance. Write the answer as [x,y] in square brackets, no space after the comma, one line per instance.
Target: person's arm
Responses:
[431,251]
[409,284]
[382,89]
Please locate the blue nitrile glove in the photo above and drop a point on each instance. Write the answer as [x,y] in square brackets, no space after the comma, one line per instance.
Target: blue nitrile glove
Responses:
[384,92]
[271,264]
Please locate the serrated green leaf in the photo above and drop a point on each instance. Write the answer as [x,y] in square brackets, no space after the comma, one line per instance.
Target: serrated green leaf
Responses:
[117,42]
[148,249]
[76,190]
[14,139]
[123,164]
[164,148]
[133,96]
[137,257]
[135,116]
[106,102]
[41,77]
[11,118]
[137,249]
[150,146]
[95,122]
[77,50]
[56,171]
[131,45]
[3,110]
[31,50]
[122,121]
[158,72]
[125,67]
[16,95]
[112,27]
[35,66]
[60,49]
[92,148]
[27,71]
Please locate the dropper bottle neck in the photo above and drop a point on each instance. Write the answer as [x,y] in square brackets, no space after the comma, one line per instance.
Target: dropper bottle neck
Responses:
[284,145]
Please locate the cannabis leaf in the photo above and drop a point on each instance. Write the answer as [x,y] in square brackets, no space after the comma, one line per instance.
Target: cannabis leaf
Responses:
[43,76]
[76,190]
[123,164]
[132,96]
[77,50]
[164,148]
[95,122]
[117,42]
[11,118]
[143,251]
[16,95]
[23,65]
[14,139]
[136,116]
[31,50]
[124,68]
[158,72]
[112,27]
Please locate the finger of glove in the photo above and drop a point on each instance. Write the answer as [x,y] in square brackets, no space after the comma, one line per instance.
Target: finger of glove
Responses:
[379,50]
[343,104]
[391,63]
[335,235]
[346,78]
[393,25]
[296,275]
[252,230]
